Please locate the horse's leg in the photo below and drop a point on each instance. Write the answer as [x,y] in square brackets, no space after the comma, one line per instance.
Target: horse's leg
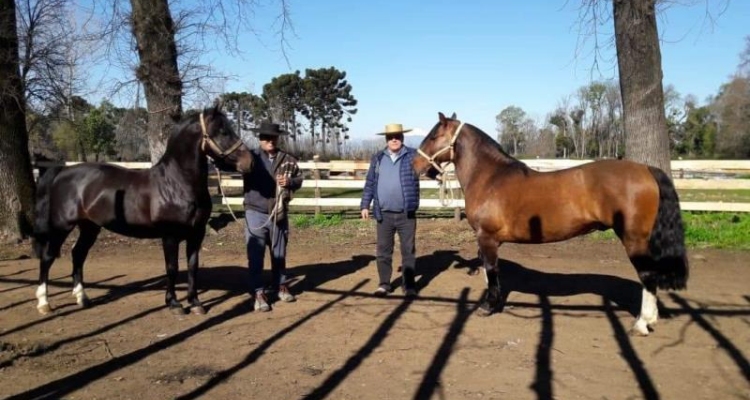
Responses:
[639,254]
[488,249]
[50,251]
[192,248]
[88,234]
[171,247]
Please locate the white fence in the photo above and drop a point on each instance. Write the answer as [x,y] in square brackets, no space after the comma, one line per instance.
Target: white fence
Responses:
[693,174]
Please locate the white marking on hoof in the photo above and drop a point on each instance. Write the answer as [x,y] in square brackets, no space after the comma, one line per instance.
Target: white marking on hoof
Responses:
[44,310]
[41,295]
[649,310]
[486,280]
[80,295]
[640,328]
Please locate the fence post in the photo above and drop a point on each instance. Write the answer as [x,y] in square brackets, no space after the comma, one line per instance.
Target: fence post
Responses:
[316,176]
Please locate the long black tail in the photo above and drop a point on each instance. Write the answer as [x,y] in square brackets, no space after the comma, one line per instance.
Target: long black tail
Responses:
[41,220]
[669,263]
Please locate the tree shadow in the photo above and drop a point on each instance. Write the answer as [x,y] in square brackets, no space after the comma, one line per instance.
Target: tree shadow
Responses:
[377,338]
[114,293]
[262,348]
[431,380]
[724,343]
[646,384]
[61,387]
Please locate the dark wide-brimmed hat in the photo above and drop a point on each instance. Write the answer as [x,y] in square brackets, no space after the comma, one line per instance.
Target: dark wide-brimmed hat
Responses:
[394,129]
[270,129]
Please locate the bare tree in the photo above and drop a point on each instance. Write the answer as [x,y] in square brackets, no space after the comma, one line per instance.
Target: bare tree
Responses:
[16,179]
[639,65]
[170,39]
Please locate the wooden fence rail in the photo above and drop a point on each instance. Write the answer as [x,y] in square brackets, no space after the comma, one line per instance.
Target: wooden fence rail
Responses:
[689,174]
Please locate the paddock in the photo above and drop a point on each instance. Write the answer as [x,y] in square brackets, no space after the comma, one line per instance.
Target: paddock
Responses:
[563,333]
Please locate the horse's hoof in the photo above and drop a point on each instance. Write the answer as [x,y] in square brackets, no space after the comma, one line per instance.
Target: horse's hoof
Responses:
[640,328]
[198,310]
[484,310]
[178,310]
[84,303]
[45,309]
[473,271]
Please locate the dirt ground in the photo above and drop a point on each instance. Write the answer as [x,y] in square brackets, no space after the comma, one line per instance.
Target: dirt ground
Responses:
[563,333]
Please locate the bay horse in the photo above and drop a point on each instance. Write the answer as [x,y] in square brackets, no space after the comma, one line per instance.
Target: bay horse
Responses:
[168,201]
[506,201]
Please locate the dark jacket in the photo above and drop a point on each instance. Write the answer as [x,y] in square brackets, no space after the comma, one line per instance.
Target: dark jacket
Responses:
[409,183]
[259,185]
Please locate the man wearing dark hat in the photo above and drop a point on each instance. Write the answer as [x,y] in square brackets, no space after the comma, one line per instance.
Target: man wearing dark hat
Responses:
[268,188]
[392,187]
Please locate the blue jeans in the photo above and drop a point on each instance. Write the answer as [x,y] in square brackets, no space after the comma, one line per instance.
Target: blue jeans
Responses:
[259,234]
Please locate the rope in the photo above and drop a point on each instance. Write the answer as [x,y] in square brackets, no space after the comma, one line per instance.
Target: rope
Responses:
[224,197]
[445,200]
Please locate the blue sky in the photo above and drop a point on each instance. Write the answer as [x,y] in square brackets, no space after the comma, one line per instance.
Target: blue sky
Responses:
[407,59]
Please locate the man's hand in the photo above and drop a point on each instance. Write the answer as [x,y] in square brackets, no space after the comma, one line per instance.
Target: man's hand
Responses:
[282,180]
[365,213]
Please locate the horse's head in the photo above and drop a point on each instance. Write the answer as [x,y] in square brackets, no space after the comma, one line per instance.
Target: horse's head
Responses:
[437,146]
[221,143]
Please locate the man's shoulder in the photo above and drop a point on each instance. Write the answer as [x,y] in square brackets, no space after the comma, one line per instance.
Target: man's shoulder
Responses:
[289,157]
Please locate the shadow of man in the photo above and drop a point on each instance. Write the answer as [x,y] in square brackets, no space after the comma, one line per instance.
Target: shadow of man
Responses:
[316,275]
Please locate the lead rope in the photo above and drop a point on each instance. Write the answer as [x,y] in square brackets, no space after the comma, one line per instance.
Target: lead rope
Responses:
[224,199]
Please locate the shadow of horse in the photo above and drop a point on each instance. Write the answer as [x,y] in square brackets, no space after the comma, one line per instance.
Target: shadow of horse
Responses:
[515,277]
[317,275]
[429,266]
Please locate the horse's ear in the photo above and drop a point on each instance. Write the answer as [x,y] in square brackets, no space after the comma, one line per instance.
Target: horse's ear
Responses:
[453,116]
[442,118]
[218,103]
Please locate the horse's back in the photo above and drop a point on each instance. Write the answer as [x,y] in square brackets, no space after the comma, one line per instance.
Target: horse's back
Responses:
[552,206]
[95,192]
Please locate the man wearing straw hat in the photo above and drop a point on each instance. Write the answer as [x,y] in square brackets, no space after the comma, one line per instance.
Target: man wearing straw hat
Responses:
[392,187]
[267,191]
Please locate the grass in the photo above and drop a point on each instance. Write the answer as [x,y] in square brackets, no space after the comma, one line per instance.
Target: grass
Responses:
[707,230]
[729,196]
[702,229]
[316,220]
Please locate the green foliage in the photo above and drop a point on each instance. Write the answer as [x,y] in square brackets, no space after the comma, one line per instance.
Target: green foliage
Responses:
[717,230]
[317,220]
[510,132]
[66,139]
[97,133]
[707,230]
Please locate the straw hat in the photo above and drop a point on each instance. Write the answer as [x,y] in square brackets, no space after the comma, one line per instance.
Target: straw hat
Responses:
[394,129]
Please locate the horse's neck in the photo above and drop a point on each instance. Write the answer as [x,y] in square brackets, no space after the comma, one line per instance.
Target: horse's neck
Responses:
[187,159]
[474,153]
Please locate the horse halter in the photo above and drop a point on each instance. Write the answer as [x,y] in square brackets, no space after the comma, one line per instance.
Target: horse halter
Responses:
[218,153]
[431,159]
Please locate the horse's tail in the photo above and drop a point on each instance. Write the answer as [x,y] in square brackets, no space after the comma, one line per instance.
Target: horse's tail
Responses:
[42,210]
[670,268]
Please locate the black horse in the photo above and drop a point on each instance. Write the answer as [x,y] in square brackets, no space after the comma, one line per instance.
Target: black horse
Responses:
[168,201]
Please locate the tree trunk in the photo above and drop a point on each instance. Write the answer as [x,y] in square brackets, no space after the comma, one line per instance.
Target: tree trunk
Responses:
[16,178]
[154,32]
[639,66]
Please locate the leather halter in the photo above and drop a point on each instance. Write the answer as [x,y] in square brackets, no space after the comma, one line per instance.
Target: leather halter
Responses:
[431,159]
[218,153]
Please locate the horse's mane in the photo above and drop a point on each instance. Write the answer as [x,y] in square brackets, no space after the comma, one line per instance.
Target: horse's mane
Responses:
[488,146]
[190,117]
